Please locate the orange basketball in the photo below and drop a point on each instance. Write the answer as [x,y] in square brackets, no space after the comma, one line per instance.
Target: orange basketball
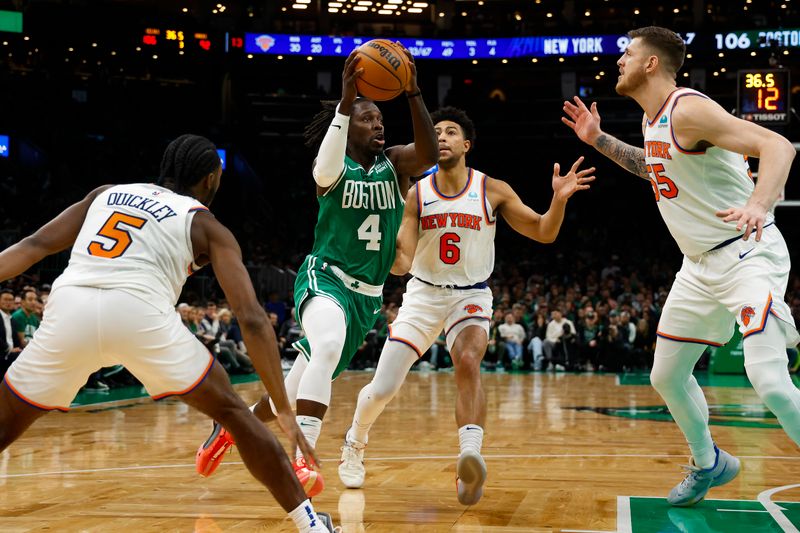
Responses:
[386,70]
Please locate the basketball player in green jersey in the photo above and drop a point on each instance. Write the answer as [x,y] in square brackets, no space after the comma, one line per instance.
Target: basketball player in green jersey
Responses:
[338,292]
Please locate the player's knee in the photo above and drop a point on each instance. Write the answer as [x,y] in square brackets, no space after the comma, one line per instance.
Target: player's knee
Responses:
[662,380]
[328,346]
[381,393]
[768,386]
[469,364]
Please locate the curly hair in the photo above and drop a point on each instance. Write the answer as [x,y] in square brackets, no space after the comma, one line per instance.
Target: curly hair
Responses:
[459,116]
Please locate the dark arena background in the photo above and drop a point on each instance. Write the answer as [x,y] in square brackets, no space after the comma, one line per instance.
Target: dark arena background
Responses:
[91,93]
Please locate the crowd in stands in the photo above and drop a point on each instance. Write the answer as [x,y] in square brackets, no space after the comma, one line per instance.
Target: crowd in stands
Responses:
[591,319]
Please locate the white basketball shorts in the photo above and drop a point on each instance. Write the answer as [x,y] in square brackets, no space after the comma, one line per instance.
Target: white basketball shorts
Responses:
[742,283]
[427,310]
[85,328]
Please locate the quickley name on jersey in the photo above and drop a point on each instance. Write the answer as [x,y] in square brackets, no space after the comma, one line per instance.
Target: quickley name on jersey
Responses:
[160,211]
[135,238]
[359,217]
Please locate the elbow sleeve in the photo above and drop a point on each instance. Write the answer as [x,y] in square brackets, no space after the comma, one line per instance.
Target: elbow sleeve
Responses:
[330,159]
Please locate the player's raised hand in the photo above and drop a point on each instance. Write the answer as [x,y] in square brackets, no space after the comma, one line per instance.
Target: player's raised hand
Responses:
[411,86]
[288,424]
[751,217]
[349,74]
[585,122]
[574,180]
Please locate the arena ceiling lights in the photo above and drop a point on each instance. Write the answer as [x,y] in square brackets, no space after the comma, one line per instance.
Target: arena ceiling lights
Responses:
[380,7]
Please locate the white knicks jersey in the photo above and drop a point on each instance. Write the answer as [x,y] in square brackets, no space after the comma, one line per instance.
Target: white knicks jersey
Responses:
[135,238]
[456,233]
[690,187]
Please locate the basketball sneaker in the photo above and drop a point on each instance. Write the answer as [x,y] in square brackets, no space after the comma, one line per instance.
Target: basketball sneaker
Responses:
[471,475]
[311,480]
[210,454]
[698,481]
[351,466]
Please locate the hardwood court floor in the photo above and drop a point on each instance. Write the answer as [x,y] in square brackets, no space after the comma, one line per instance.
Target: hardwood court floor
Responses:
[551,467]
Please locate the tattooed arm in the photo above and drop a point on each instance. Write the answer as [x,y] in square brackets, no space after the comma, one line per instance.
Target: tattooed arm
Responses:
[586,125]
[628,157]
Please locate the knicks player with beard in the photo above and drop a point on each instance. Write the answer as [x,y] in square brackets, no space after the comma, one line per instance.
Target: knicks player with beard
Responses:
[735,266]
[447,239]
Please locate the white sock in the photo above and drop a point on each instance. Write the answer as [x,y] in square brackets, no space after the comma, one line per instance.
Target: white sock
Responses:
[353,435]
[253,408]
[470,437]
[305,518]
[311,427]
[703,453]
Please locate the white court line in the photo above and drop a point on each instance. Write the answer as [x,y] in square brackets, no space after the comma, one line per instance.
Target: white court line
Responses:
[399,458]
[741,511]
[624,524]
[765,499]
[586,531]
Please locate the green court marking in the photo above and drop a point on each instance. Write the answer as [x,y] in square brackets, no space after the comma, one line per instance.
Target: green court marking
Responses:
[705,379]
[131,393]
[737,415]
[655,515]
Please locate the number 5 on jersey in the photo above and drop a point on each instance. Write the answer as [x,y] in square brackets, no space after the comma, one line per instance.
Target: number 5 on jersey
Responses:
[111,230]
[659,179]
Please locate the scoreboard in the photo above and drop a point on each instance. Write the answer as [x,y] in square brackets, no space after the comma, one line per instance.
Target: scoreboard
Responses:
[763,96]
[508,47]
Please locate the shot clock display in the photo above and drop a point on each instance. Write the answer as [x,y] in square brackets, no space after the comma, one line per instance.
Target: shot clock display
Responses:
[763,96]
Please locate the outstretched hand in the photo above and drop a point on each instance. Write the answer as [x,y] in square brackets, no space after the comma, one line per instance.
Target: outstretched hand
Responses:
[751,217]
[585,122]
[574,180]
[288,424]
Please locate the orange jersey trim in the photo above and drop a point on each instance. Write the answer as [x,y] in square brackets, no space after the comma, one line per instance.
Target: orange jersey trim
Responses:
[419,201]
[404,341]
[198,208]
[687,339]
[672,131]
[30,402]
[460,320]
[457,196]
[760,328]
[193,386]
[485,212]
[663,107]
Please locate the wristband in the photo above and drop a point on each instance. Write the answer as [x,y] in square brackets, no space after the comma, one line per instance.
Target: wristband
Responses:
[413,95]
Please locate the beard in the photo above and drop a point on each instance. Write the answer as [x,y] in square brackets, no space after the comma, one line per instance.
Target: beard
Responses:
[630,82]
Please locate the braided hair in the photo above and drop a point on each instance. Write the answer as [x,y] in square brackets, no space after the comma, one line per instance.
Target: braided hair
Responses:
[186,161]
[315,131]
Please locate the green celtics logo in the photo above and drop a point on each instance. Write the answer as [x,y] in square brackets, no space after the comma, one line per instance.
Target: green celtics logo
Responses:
[734,414]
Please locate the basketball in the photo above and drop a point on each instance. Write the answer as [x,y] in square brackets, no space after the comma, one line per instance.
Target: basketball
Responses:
[386,70]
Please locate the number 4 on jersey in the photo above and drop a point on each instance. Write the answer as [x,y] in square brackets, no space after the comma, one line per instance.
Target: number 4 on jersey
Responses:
[369,231]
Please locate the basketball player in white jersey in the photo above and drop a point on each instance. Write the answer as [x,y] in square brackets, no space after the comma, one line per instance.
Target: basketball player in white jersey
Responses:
[736,265]
[132,248]
[448,230]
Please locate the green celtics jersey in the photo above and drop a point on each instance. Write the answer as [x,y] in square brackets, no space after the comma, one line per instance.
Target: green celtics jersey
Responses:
[359,217]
